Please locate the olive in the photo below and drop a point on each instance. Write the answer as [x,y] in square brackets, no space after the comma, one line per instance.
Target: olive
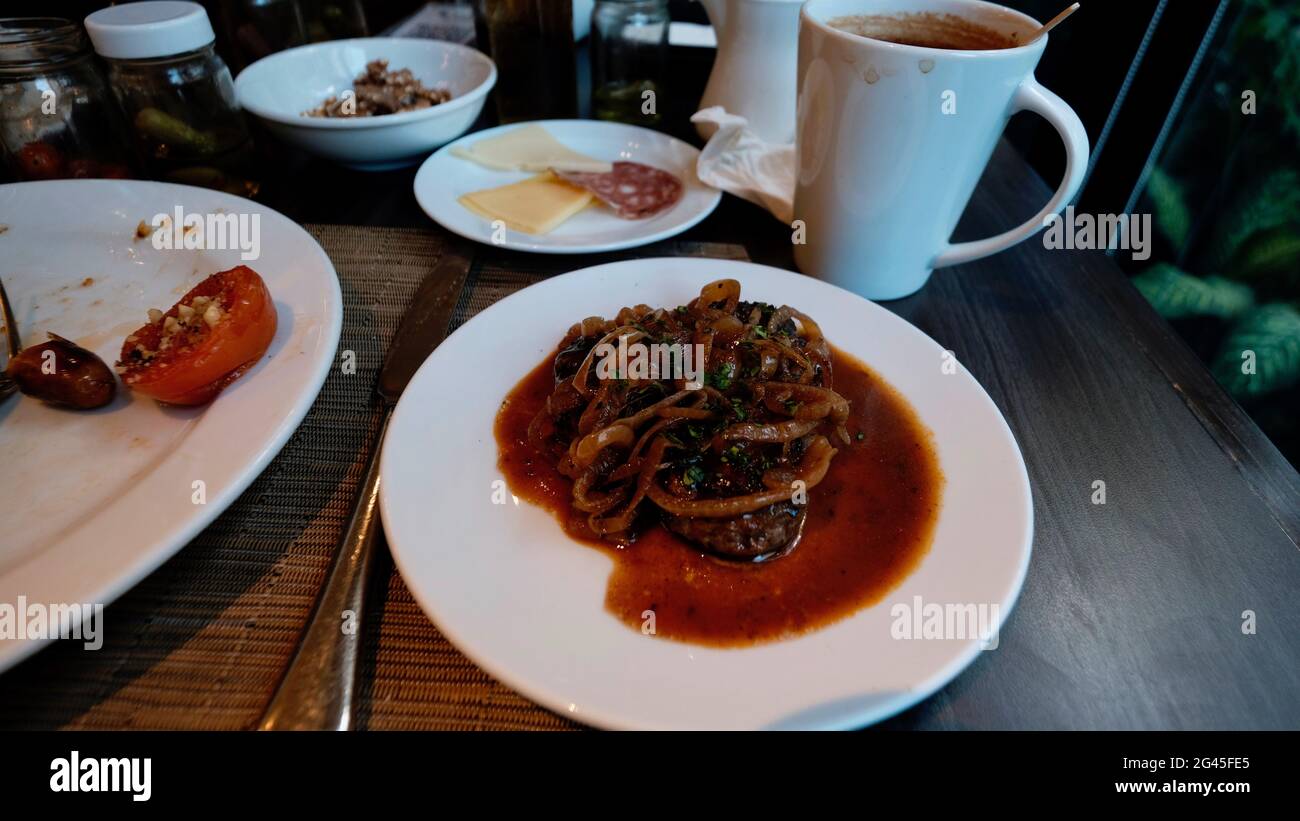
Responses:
[63,373]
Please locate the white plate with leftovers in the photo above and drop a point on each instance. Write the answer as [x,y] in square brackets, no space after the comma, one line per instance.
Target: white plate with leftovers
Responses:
[213,320]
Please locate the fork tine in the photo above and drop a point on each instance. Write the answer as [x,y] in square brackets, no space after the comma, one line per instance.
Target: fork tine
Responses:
[11,326]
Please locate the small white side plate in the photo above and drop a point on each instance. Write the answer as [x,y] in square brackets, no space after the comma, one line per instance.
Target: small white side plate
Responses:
[445,177]
[92,501]
[525,602]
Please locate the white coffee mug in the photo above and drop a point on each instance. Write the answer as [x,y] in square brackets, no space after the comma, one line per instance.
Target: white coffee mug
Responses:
[891,140]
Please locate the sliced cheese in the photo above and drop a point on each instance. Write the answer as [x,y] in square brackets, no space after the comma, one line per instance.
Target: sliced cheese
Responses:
[536,205]
[528,148]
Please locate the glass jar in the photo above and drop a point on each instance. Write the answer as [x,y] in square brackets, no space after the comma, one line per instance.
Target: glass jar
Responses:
[629,48]
[57,117]
[177,94]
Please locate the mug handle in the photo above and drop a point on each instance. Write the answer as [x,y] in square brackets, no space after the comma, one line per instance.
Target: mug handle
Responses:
[1031,96]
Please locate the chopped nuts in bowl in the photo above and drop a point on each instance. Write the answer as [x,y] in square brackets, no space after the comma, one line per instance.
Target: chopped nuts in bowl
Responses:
[378,91]
[283,88]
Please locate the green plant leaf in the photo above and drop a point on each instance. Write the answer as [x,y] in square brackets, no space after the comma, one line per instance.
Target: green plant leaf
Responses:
[1266,51]
[1175,294]
[1267,340]
[1260,206]
[1169,203]
[1270,259]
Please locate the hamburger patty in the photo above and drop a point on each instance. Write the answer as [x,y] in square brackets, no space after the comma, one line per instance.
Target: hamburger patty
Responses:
[749,537]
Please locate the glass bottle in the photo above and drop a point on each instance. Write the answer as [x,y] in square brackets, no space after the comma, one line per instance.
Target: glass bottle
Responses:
[177,94]
[333,19]
[57,116]
[531,42]
[629,47]
[253,29]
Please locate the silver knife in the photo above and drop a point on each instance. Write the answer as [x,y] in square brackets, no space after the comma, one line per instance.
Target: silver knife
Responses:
[319,688]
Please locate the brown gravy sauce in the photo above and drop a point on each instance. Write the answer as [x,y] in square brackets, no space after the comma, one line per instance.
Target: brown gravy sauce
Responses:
[870,522]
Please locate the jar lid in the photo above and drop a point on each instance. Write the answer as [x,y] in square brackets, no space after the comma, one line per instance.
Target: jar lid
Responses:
[156,28]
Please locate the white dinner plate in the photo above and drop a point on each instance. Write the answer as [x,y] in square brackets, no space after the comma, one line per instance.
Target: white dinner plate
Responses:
[525,602]
[92,501]
[445,177]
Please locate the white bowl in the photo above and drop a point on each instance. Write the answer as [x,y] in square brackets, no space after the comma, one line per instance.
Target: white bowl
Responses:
[280,87]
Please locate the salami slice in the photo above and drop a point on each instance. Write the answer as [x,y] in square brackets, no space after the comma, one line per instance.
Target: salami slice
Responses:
[635,191]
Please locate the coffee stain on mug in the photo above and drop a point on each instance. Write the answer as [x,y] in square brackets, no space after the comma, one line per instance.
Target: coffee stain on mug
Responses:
[927,65]
[871,75]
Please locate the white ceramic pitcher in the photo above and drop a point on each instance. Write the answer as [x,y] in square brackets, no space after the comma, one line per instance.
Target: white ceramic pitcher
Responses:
[754,74]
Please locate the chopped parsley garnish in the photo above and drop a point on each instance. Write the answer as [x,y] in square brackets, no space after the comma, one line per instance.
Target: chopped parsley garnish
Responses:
[693,475]
[734,455]
[721,378]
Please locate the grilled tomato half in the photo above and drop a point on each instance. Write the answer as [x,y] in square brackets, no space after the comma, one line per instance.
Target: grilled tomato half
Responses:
[208,339]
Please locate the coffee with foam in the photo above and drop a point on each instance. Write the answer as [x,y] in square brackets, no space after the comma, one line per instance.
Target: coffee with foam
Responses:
[928,29]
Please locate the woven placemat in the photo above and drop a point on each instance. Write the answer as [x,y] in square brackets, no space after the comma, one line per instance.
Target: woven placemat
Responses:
[202,642]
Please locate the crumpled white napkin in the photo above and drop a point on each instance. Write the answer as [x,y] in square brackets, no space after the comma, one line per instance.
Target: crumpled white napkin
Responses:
[739,161]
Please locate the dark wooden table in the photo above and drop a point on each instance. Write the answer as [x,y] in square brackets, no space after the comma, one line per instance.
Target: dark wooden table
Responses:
[1135,614]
